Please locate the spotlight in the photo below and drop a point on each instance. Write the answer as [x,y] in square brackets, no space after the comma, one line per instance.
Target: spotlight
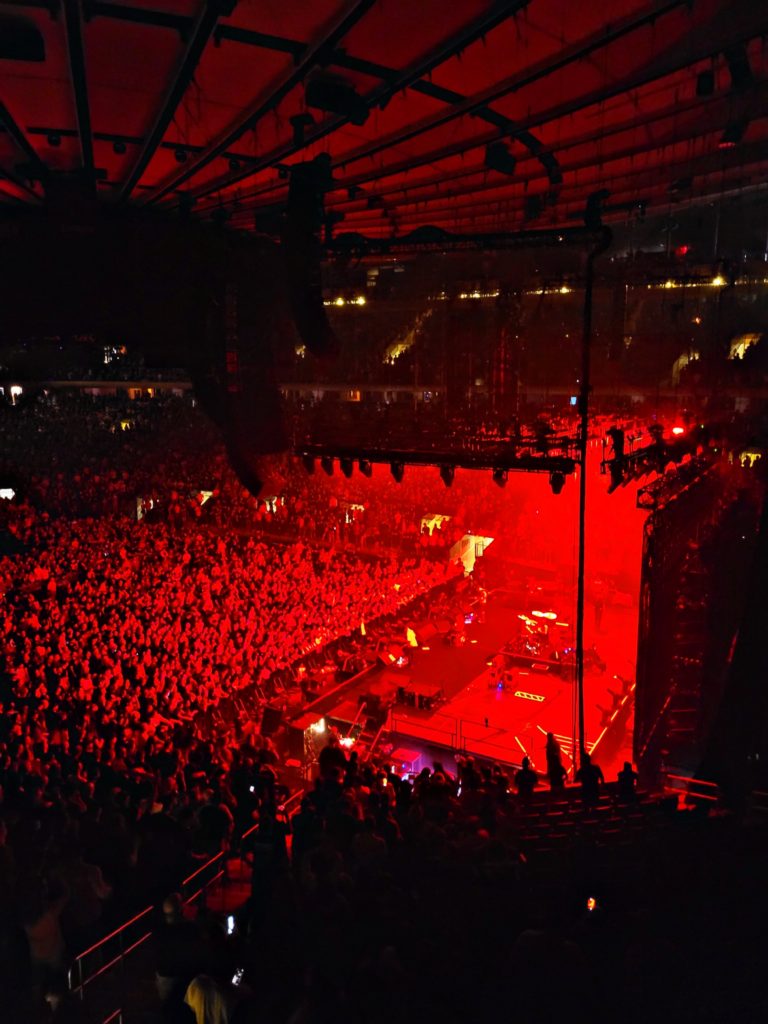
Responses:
[397,469]
[180,155]
[500,476]
[365,467]
[327,463]
[308,461]
[556,482]
[447,474]
[347,465]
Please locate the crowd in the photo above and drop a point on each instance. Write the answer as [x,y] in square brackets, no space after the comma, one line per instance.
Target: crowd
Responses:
[420,899]
[134,618]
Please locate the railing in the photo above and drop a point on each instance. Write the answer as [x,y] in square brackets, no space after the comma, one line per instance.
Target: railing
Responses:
[207,874]
[375,740]
[690,790]
[115,947]
[357,717]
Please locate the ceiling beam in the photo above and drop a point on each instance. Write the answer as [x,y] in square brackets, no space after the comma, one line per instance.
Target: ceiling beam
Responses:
[633,185]
[353,12]
[22,142]
[204,25]
[719,110]
[78,77]
[704,105]
[704,43]
[448,48]
[550,65]
[562,58]
[688,51]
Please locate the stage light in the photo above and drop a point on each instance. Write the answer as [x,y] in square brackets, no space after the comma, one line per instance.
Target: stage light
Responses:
[339,301]
[327,463]
[365,467]
[500,476]
[397,469]
[718,281]
[447,474]
[347,465]
[556,482]
[678,430]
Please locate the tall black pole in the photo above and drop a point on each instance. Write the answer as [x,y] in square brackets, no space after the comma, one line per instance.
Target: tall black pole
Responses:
[586,346]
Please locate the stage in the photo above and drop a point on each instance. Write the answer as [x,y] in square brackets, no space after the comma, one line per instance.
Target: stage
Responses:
[509,721]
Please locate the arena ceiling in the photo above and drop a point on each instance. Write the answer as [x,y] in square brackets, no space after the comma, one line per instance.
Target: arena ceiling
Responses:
[471,115]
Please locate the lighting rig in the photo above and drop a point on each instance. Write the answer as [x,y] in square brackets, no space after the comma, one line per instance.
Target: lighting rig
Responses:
[628,457]
[524,456]
[669,486]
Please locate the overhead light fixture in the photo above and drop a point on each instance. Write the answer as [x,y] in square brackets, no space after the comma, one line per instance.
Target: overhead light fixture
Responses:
[327,463]
[308,461]
[365,467]
[556,482]
[500,476]
[498,158]
[447,474]
[347,465]
[397,469]
[300,123]
[334,96]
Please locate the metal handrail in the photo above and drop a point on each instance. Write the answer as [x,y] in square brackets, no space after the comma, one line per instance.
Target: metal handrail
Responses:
[375,740]
[690,787]
[118,933]
[186,884]
[356,719]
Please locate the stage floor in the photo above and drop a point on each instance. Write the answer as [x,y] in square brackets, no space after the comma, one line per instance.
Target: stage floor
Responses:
[507,724]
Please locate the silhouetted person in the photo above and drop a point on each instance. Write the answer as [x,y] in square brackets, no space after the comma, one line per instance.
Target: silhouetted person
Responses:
[525,779]
[627,783]
[591,777]
[556,773]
